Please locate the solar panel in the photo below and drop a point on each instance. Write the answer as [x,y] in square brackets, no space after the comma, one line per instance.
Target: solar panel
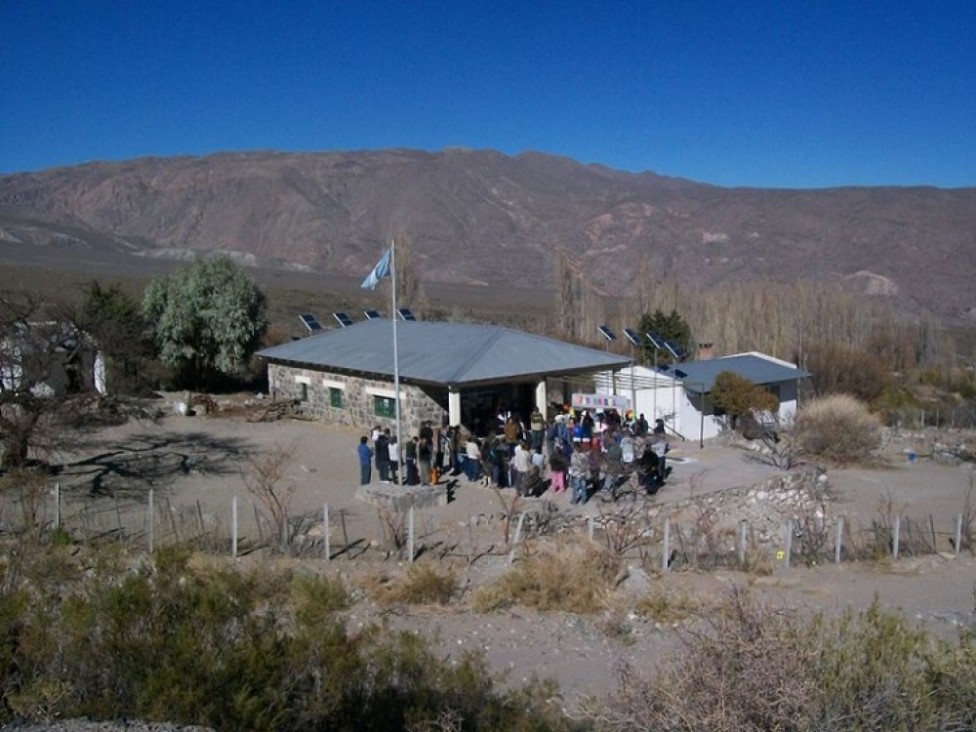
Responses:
[344,320]
[372,314]
[310,322]
[606,332]
[633,336]
[656,340]
[405,314]
[675,350]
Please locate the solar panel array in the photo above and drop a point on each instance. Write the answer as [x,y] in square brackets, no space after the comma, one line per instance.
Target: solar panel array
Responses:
[344,320]
[606,332]
[633,336]
[405,314]
[310,322]
[372,314]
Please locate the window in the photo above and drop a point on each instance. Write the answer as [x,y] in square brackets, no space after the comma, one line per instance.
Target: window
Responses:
[303,392]
[335,397]
[384,406]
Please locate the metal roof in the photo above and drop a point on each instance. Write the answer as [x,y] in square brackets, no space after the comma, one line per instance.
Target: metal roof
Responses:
[442,353]
[699,376]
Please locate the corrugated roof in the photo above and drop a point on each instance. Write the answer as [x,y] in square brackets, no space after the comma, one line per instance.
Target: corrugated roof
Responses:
[442,353]
[699,376]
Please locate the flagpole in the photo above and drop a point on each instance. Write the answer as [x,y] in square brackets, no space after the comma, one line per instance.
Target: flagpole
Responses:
[396,363]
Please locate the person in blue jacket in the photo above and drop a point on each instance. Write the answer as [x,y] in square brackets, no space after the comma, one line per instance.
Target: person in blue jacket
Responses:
[365,461]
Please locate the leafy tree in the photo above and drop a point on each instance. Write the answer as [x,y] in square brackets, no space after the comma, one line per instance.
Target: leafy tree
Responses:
[207,319]
[114,321]
[740,397]
[671,327]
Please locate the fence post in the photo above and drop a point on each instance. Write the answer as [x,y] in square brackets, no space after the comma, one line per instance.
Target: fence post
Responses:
[839,539]
[233,527]
[743,531]
[326,532]
[666,547]
[958,534]
[410,534]
[152,521]
[589,527]
[57,505]
[789,543]
[896,537]
[518,535]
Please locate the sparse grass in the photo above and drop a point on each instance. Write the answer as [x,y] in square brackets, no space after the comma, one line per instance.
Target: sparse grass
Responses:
[565,576]
[663,606]
[421,584]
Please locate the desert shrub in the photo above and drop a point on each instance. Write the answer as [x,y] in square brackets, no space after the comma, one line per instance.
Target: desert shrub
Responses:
[748,666]
[420,584]
[665,607]
[569,577]
[182,640]
[838,428]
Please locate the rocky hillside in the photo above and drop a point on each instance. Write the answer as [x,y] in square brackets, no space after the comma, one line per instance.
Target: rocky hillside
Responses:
[483,218]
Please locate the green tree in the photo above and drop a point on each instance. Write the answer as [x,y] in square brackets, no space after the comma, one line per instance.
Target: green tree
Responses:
[671,327]
[113,319]
[207,320]
[740,397]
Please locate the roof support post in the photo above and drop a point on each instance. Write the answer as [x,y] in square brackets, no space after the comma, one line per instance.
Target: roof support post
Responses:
[453,406]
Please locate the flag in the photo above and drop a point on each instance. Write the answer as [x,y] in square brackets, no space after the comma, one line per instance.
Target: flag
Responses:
[381,270]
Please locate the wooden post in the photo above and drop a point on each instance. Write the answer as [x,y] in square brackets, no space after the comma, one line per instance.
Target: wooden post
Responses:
[666,547]
[326,532]
[839,540]
[896,537]
[789,543]
[958,534]
[743,536]
[233,527]
[152,521]
[410,551]
[57,505]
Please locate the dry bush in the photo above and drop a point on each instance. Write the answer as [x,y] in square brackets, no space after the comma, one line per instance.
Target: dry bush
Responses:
[750,667]
[663,606]
[421,584]
[264,477]
[563,576]
[838,428]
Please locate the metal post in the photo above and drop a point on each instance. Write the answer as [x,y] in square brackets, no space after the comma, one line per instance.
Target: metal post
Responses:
[233,527]
[410,535]
[326,532]
[589,527]
[789,543]
[518,535]
[896,532]
[839,540]
[666,547]
[151,517]
[57,505]
[743,530]
[958,534]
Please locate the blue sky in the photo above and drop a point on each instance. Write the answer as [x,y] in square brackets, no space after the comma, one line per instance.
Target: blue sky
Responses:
[774,94]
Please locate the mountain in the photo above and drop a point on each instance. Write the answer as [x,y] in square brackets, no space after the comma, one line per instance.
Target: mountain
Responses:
[482,218]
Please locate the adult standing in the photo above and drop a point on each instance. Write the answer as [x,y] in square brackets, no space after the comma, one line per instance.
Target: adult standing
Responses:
[537,429]
[382,446]
[365,461]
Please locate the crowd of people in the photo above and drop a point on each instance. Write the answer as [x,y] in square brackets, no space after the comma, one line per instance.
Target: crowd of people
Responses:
[578,452]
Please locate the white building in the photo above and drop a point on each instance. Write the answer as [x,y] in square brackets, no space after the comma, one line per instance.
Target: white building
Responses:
[679,394]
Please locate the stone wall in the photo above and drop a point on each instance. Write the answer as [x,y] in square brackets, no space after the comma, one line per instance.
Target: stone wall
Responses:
[416,403]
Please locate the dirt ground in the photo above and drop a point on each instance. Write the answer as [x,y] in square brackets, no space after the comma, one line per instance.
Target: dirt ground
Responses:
[197,460]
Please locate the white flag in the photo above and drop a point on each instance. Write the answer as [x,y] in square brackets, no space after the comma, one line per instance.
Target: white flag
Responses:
[381,270]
